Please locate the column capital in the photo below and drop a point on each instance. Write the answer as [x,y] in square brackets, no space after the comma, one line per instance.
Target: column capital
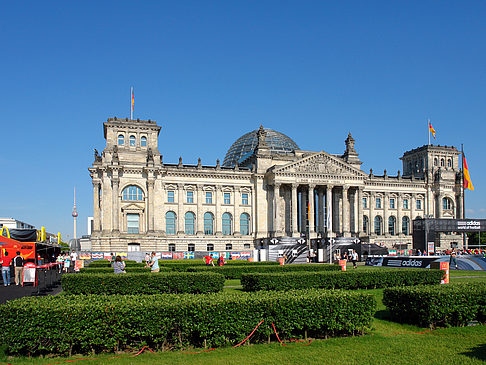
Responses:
[199,186]
[96,182]
[150,183]
[311,186]
[277,185]
[295,185]
[180,186]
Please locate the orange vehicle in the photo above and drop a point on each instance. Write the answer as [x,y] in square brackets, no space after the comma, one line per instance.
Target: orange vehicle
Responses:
[27,242]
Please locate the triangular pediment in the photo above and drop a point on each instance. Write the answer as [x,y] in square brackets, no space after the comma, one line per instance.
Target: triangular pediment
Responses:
[133,207]
[320,163]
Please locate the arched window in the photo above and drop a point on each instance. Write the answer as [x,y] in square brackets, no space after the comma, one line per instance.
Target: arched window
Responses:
[227,224]
[132,192]
[405,225]
[208,223]
[436,161]
[132,141]
[244,224]
[449,162]
[442,162]
[189,219]
[447,204]
[143,141]
[170,223]
[392,222]
[365,224]
[121,140]
[378,222]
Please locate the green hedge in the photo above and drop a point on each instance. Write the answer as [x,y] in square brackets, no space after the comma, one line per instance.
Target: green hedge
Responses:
[235,272]
[437,306]
[106,263]
[109,270]
[142,283]
[340,280]
[65,324]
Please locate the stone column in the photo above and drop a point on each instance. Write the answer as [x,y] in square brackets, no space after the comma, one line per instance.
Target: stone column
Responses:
[115,204]
[354,226]
[303,213]
[236,210]
[150,210]
[320,210]
[218,220]
[371,219]
[276,208]
[412,208]
[386,201]
[180,208]
[345,213]
[339,211]
[96,206]
[295,231]
[312,224]
[329,211]
[441,211]
[399,213]
[200,212]
[360,211]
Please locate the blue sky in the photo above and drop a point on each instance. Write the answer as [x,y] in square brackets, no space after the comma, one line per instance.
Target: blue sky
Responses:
[210,71]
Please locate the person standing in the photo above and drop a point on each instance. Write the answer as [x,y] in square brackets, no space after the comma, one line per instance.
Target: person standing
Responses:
[6,268]
[208,260]
[18,262]
[154,263]
[119,266]
[221,261]
[354,258]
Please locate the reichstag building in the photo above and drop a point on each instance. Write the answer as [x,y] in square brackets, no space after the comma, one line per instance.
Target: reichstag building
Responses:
[266,187]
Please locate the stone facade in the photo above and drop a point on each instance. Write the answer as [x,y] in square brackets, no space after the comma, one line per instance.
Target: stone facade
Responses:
[142,203]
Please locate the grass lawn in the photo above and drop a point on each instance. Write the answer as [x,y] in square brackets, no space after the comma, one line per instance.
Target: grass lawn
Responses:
[386,343]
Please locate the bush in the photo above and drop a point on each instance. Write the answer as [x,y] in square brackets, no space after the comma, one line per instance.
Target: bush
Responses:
[235,272]
[106,263]
[366,279]
[142,283]
[437,306]
[64,324]
[109,270]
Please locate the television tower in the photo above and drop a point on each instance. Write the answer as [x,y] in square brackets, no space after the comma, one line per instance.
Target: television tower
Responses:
[75,213]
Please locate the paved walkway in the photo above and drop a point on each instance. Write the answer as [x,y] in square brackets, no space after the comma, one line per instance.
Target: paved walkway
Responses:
[49,284]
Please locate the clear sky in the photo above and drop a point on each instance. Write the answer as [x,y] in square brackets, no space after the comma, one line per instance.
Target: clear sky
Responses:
[210,71]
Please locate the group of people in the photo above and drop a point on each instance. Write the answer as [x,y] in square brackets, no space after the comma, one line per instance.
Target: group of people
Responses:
[209,261]
[352,256]
[65,261]
[17,262]
[119,266]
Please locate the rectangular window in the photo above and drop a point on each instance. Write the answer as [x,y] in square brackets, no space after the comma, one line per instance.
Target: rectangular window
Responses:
[405,203]
[229,247]
[171,247]
[170,196]
[419,204]
[378,203]
[190,197]
[246,245]
[244,199]
[191,247]
[209,247]
[365,203]
[209,197]
[227,199]
[392,203]
[132,223]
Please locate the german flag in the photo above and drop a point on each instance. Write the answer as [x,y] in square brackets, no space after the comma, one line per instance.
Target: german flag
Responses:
[467,179]
[431,130]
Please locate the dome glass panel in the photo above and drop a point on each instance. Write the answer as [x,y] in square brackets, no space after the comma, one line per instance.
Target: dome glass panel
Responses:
[244,146]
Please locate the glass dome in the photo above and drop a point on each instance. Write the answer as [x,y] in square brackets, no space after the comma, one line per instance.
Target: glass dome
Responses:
[245,145]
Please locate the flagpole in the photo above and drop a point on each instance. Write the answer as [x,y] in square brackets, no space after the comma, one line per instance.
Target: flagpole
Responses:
[428,128]
[463,197]
[131,104]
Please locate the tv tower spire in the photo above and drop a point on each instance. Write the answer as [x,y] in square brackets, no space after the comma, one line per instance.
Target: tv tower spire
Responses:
[75,213]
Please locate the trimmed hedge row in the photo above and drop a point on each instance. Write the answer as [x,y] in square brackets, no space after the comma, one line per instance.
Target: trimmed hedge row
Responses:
[64,324]
[106,263]
[368,279]
[235,272]
[437,306]
[142,283]
[109,270]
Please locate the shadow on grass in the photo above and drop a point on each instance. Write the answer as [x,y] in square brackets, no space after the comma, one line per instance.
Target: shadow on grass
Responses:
[477,352]
[383,315]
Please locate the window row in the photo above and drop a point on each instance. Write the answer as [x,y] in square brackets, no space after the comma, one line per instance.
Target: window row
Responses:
[443,162]
[132,141]
[133,223]
[392,203]
[378,228]
[134,193]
